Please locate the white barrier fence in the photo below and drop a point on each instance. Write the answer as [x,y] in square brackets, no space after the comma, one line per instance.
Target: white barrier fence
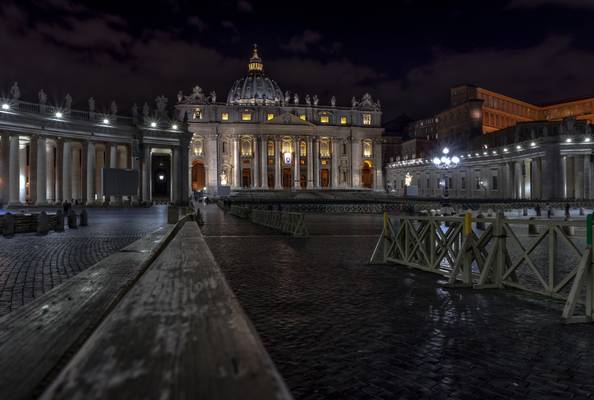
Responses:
[541,256]
[285,222]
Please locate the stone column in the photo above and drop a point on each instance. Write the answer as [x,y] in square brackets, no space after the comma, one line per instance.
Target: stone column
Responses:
[256,164]
[59,170]
[212,162]
[90,173]
[587,177]
[23,173]
[4,168]
[552,168]
[356,161]
[316,162]
[310,182]
[297,165]
[41,176]
[14,171]
[277,163]
[113,160]
[334,149]
[264,156]
[135,162]
[518,180]
[237,162]
[579,177]
[536,179]
[67,171]
[569,177]
[378,179]
[50,163]
[175,176]
[146,173]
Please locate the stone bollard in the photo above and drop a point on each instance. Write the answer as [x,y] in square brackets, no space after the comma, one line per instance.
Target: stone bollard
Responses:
[532,230]
[59,221]
[72,222]
[9,225]
[43,226]
[568,229]
[84,217]
[582,211]
[198,218]
[172,215]
[480,224]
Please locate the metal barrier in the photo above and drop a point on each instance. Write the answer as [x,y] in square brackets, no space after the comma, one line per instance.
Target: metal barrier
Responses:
[286,222]
[241,212]
[503,254]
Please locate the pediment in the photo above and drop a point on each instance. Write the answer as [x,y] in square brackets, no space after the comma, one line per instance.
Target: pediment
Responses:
[287,118]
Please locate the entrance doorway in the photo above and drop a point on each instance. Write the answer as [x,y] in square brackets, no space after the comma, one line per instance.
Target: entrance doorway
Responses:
[367,175]
[287,178]
[246,177]
[198,176]
[161,177]
[324,178]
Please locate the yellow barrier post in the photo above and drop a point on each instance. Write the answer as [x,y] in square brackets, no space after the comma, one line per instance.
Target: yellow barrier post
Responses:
[467,223]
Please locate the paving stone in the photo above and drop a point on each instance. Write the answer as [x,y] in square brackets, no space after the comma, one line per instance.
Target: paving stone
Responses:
[337,327]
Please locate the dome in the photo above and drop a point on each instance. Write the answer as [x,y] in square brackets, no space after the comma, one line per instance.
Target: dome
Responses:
[255,88]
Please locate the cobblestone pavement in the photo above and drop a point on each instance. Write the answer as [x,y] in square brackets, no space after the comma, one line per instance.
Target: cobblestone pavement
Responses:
[30,265]
[338,328]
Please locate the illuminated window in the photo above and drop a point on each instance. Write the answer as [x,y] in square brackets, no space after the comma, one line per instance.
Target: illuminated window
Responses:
[287,146]
[246,116]
[367,148]
[270,148]
[324,162]
[197,113]
[225,116]
[324,119]
[343,120]
[198,147]
[366,119]
[324,148]
[302,149]
[246,147]
[269,116]
[302,117]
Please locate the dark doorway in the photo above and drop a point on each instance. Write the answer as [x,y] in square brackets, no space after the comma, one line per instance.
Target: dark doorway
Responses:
[324,178]
[161,164]
[246,177]
[367,175]
[270,180]
[287,178]
[198,176]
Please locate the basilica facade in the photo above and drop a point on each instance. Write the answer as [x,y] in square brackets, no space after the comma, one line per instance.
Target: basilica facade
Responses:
[262,138]
[259,138]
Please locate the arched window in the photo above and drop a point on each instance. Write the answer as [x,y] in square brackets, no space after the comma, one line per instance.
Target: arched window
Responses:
[287,145]
[302,148]
[246,147]
[270,148]
[324,148]
[198,146]
[367,148]
[197,113]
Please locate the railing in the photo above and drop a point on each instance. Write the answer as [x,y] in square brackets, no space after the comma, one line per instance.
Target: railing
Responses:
[285,222]
[541,256]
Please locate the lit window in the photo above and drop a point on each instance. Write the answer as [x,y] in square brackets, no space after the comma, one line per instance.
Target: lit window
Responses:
[270,148]
[197,113]
[302,117]
[269,116]
[246,148]
[303,149]
[198,146]
[343,120]
[367,148]
[366,119]
[324,148]
[246,116]
[225,116]
[324,119]
[287,146]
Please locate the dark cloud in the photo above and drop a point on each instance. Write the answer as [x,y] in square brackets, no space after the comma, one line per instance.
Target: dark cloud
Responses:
[301,43]
[198,23]
[555,3]
[245,6]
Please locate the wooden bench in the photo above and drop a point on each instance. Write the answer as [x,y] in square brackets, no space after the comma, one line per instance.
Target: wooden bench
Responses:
[37,339]
[179,333]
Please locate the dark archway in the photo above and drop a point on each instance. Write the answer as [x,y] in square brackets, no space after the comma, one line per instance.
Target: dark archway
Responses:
[324,178]
[198,176]
[287,173]
[161,177]
[246,177]
[367,175]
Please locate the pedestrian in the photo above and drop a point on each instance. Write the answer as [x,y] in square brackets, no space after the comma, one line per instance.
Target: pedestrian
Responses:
[549,211]
[567,210]
[537,209]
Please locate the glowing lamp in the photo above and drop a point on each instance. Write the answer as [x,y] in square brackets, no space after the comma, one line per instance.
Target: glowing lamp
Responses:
[6,106]
[59,114]
[174,127]
[105,121]
[153,124]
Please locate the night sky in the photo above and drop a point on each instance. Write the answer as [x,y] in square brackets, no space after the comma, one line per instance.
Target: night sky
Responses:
[407,55]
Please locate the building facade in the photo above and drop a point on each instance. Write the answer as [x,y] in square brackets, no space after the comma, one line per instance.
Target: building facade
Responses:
[528,161]
[262,138]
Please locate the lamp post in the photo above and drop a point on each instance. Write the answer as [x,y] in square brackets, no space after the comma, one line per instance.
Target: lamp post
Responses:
[445,163]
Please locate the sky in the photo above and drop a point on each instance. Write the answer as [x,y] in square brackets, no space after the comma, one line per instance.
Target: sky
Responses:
[405,53]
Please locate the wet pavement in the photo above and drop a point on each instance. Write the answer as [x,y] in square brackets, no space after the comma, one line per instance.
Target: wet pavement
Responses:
[338,328]
[30,265]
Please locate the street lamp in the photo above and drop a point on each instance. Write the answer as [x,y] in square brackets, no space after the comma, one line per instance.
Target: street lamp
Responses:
[445,162]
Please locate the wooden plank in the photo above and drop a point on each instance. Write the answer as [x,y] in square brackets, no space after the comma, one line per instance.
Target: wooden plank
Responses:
[38,338]
[178,333]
